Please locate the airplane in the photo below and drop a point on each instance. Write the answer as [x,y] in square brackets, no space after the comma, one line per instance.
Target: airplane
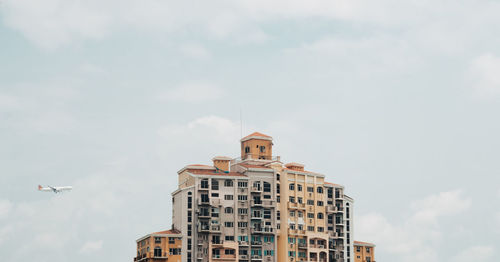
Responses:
[55,189]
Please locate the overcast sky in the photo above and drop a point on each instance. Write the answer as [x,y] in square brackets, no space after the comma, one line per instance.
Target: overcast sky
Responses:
[397,100]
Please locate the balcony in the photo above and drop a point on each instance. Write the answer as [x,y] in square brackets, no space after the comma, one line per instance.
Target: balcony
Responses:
[257,203]
[296,205]
[243,257]
[256,189]
[202,188]
[256,243]
[203,228]
[215,202]
[256,257]
[215,229]
[243,243]
[203,201]
[257,216]
[302,245]
[200,242]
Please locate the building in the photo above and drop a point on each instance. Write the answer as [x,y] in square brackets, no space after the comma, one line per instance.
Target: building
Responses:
[256,208]
[364,252]
[160,247]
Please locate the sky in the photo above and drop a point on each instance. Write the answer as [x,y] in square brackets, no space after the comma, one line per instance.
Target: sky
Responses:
[399,101]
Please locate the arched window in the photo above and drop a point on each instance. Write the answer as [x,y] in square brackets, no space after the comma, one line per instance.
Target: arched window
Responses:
[157,252]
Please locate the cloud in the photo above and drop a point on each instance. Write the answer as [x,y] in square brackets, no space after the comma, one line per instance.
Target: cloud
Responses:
[431,208]
[9,103]
[417,238]
[194,92]
[5,207]
[475,253]
[91,246]
[59,22]
[208,128]
[485,71]
[195,51]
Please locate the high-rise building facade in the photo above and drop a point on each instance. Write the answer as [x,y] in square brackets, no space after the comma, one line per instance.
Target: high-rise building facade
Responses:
[255,208]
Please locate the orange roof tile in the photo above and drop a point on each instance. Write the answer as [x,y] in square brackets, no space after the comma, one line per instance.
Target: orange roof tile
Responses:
[213,173]
[171,231]
[256,134]
[363,243]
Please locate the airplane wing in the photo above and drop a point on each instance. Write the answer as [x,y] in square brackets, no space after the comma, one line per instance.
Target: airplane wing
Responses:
[64,188]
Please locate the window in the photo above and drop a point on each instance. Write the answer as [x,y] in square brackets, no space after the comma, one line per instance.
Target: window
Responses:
[299,200]
[262,149]
[310,189]
[320,203]
[299,187]
[228,183]
[229,238]
[278,177]
[228,210]
[228,197]
[247,149]
[299,214]
[242,184]
[157,240]
[157,252]
[242,211]
[310,228]
[228,224]
[171,240]
[267,213]
[292,213]
[242,197]
[358,249]
[215,184]
[291,186]
[319,190]
[215,195]
[310,202]
[292,199]
[367,250]
[277,188]
[320,229]
[204,183]
[204,198]
[267,187]
[278,215]
[242,224]
[320,216]
[229,251]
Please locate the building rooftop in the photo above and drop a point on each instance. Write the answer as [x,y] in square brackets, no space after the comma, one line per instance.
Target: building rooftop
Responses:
[258,136]
[360,243]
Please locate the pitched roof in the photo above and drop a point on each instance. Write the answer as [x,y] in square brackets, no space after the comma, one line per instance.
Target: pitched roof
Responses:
[360,243]
[166,232]
[257,135]
[222,158]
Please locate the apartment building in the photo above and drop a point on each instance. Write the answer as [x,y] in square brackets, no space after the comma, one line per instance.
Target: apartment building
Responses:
[364,252]
[159,246]
[256,208]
